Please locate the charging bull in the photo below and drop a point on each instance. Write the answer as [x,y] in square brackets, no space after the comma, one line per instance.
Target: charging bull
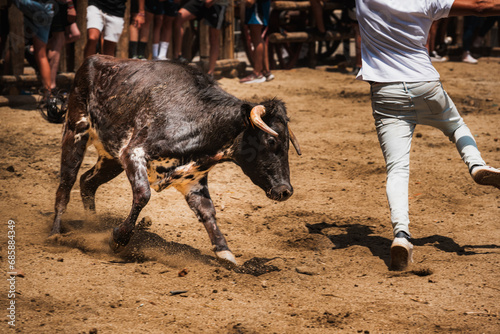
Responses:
[167,124]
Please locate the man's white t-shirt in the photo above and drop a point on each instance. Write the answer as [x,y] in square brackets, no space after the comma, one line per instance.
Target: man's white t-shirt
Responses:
[393,38]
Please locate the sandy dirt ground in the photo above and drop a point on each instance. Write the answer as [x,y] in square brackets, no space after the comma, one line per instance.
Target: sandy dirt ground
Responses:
[317,263]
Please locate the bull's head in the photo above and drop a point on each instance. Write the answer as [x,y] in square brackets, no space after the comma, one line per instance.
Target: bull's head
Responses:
[262,152]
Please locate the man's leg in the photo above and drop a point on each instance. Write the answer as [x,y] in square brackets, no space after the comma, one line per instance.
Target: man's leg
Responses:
[113,27]
[42,61]
[438,110]
[93,37]
[395,140]
[109,48]
[182,17]
[95,24]
[395,137]
[214,39]
[55,46]
[258,44]
[166,36]
[395,128]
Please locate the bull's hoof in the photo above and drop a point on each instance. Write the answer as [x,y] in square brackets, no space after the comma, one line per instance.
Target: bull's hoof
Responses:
[115,247]
[118,246]
[226,256]
[118,241]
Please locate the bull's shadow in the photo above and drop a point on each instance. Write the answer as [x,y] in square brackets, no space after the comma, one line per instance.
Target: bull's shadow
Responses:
[363,235]
[148,246]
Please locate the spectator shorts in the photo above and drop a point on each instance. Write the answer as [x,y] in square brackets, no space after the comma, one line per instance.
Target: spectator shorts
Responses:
[258,13]
[37,18]
[171,8]
[112,26]
[213,15]
[60,20]
[167,7]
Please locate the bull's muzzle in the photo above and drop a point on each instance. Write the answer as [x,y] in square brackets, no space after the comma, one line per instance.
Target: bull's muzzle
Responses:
[280,193]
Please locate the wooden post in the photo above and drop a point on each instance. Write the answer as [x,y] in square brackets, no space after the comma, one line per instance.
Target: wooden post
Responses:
[16,41]
[81,22]
[204,40]
[227,39]
[122,46]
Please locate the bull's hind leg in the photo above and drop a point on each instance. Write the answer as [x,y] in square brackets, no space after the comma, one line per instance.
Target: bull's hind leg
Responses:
[198,198]
[104,171]
[74,143]
[135,166]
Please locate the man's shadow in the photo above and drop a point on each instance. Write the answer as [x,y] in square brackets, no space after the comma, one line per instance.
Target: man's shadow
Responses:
[363,235]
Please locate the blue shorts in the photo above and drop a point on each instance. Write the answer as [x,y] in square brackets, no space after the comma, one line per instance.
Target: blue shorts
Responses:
[258,13]
[37,18]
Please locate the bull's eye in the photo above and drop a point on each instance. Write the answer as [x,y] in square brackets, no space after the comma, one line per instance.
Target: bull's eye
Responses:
[271,142]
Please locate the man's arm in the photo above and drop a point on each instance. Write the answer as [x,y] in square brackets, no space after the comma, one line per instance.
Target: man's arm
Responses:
[475,8]
[139,18]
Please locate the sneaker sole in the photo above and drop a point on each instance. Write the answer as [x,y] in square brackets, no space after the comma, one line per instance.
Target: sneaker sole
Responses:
[253,82]
[399,258]
[487,178]
[401,254]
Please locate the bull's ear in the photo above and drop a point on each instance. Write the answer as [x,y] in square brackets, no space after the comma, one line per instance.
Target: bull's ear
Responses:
[245,112]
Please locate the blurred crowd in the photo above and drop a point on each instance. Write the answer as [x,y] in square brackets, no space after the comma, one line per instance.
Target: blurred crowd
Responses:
[159,25]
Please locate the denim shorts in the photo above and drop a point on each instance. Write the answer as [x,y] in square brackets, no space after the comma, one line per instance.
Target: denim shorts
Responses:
[37,18]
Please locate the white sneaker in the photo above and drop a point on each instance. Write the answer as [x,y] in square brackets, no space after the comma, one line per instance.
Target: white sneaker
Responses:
[436,58]
[269,76]
[253,78]
[467,58]
[486,176]
[401,253]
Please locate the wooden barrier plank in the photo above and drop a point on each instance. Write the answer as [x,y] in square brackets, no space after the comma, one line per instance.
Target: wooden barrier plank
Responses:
[303,5]
[304,37]
[64,80]
[227,34]
[16,41]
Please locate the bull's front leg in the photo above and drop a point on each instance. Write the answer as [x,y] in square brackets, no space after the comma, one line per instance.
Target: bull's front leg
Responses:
[135,167]
[198,198]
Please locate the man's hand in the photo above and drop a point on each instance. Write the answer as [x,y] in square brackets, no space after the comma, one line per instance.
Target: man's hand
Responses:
[71,12]
[249,3]
[138,20]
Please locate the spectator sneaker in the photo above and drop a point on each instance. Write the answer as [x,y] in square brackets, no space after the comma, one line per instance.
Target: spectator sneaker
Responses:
[436,58]
[401,252]
[486,175]
[253,78]
[182,60]
[467,58]
[269,76]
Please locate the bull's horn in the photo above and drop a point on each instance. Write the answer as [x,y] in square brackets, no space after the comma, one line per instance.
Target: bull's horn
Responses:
[294,141]
[256,118]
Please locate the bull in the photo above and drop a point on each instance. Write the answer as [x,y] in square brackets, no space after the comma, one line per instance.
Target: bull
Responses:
[167,124]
